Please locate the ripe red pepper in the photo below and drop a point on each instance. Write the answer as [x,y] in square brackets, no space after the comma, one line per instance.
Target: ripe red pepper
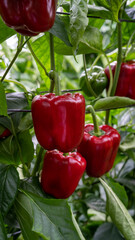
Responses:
[61,174]
[28,17]
[59,120]
[126,81]
[5,133]
[99,152]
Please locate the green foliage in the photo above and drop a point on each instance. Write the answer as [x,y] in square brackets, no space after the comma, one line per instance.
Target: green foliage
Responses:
[113,102]
[3,103]
[3,234]
[49,218]
[103,232]
[6,31]
[8,188]
[78,21]
[121,217]
[98,209]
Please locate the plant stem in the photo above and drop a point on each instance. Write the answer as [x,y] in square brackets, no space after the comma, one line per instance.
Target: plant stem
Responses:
[55,79]
[19,49]
[36,58]
[111,76]
[38,161]
[96,127]
[113,82]
[52,62]
[119,58]
[52,52]
[110,88]
[107,117]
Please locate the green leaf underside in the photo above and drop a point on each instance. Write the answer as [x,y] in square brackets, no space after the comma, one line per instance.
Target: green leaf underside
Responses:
[107,231]
[78,21]
[119,214]
[52,219]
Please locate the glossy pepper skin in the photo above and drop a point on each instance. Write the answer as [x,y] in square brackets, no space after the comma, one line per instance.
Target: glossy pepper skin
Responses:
[126,81]
[28,17]
[99,152]
[61,174]
[5,133]
[97,80]
[59,120]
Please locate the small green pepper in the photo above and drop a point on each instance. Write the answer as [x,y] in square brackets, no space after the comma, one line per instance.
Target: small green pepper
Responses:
[96,79]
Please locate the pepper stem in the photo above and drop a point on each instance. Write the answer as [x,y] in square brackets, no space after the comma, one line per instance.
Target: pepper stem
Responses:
[97,131]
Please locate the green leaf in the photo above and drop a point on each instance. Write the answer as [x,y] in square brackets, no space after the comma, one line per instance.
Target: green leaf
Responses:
[130,13]
[128,144]
[91,42]
[52,218]
[15,151]
[5,32]
[26,122]
[33,185]
[9,181]
[41,49]
[3,235]
[96,11]
[119,214]
[127,182]
[127,117]
[119,191]
[6,151]
[128,167]
[59,30]
[113,103]
[16,100]
[3,102]
[66,6]
[103,3]
[78,21]
[96,203]
[107,231]
[24,214]
[26,146]
[112,5]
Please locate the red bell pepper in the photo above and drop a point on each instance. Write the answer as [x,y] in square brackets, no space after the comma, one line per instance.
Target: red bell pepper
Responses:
[59,120]
[5,133]
[126,81]
[61,174]
[99,152]
[28,17]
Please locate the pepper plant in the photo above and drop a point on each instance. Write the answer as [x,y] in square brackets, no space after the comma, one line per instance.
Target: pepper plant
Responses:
[60,62]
